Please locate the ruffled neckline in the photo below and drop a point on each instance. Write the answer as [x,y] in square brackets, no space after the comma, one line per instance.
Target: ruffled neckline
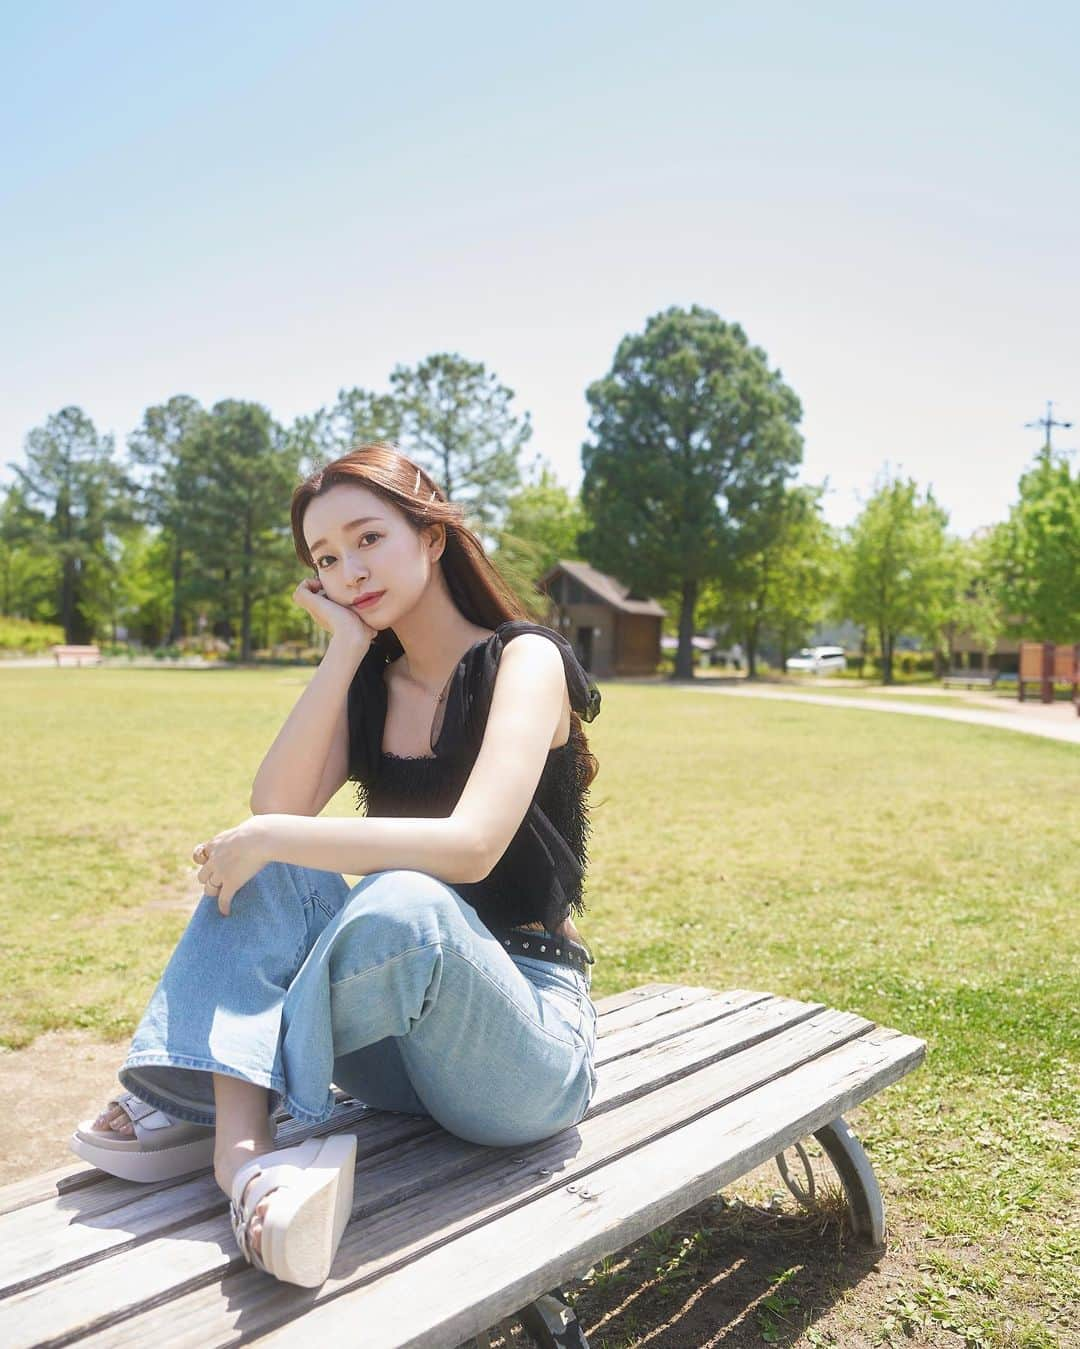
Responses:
[459,735]
[441,758]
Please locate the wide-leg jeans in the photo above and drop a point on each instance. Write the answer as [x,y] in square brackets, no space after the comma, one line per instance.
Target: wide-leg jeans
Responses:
[394,990]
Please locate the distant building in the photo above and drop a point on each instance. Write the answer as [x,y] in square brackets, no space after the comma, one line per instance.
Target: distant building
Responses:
[968,651]
[613,631]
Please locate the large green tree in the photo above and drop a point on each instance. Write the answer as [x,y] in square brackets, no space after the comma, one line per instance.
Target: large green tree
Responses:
[899,566]
[170,449]
[240,534]
[694,438]
[27,568]
[1035,553]
[83,496]
[357,415]
[457,421]
[974,607]
[782,583]
[542,525]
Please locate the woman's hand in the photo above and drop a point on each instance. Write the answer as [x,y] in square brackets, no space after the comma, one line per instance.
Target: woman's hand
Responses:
[337,619]
[230,859]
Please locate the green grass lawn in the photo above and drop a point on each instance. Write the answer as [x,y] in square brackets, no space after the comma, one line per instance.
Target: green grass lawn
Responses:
[920,873]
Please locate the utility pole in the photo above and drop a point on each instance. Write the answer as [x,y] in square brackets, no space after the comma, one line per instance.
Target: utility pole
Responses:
[1048,423]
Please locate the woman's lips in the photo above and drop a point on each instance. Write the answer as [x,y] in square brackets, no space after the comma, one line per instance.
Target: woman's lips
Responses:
[369,601]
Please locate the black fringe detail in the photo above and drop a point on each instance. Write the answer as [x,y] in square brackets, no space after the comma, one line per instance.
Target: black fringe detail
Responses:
[521,887]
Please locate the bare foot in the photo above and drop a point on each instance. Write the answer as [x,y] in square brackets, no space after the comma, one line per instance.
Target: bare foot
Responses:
[114,1120]
[225,1168]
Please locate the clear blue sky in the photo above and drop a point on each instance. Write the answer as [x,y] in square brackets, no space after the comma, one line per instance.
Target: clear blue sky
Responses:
[273,201]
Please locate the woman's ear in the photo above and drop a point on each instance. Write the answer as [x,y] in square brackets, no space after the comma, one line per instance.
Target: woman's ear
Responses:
[436,540]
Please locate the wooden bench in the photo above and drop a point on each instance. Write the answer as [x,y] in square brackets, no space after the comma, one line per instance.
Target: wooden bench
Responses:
[449,1239]
[971,679]
[77,655]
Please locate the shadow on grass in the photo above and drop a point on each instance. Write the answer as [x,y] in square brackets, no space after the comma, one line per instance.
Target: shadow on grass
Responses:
[723,1273]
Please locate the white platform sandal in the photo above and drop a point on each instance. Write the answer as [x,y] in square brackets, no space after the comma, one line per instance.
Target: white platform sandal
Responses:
[310,1189]
[162,1149]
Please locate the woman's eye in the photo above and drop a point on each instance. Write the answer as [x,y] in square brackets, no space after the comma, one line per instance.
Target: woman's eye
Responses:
[371,535]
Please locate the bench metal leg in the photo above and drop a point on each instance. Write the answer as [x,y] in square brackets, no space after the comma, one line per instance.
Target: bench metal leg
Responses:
[552,1323]
[852,1165]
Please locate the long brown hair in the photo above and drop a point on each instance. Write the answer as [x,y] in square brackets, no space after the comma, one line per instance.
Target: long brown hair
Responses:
[474,582]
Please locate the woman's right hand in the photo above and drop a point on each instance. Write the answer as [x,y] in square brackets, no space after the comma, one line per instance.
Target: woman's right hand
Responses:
[336,619]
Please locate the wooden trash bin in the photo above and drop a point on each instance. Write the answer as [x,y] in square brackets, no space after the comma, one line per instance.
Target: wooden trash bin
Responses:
[1037,667]
[1067,670]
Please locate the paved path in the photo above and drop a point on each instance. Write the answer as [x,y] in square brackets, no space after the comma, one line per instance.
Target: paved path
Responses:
[1056,721]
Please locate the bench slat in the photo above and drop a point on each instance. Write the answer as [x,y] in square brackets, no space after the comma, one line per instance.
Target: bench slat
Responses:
[408,1230]
[55,1235]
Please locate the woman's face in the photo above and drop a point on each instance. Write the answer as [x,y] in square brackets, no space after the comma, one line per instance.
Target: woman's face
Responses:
[362,544]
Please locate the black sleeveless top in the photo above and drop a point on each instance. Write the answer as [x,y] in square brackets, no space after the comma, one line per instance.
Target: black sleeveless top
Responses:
[539,876]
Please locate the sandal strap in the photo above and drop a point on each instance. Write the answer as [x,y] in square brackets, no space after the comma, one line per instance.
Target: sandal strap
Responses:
[142,1114]
[240,1226]
[250,1186]
[253,1182]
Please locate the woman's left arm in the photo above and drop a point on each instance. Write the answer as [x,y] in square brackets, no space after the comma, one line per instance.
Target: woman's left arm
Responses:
[527,703]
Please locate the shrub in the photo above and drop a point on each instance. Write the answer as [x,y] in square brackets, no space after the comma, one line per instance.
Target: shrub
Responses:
[24,637]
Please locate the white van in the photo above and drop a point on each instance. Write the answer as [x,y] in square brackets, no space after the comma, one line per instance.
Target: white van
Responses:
[817,660]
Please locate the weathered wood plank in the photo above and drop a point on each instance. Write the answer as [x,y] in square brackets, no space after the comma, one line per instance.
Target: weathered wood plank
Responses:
[633,1036]
[98,1297]
[77,1175]
[53,1235]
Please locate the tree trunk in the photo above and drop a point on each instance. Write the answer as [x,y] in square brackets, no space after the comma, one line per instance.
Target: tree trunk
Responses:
[67,606]
[245,593]
[886,657]
[175,626]
[684,657]
[751,650]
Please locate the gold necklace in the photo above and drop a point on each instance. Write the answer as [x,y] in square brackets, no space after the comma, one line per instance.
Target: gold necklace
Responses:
[437,696]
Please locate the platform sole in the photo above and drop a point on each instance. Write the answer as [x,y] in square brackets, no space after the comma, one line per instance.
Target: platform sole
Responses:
[138,1164]
[305,1220]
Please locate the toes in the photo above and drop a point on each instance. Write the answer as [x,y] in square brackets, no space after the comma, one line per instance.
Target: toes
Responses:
[114,1120]
[255,1229]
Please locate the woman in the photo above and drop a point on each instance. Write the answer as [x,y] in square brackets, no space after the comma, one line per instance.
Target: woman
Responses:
[451,981]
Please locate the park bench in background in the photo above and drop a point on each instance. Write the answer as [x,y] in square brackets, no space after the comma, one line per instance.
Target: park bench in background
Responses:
[971,679]
[449,1239]
[77,655]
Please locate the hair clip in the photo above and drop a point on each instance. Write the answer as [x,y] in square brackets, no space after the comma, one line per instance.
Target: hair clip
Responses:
[434,495]
[416,484]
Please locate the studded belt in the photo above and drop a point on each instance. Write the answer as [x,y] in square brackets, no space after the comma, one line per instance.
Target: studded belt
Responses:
[546,946]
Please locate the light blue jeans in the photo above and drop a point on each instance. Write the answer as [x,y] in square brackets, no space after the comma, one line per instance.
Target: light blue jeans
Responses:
[394,990]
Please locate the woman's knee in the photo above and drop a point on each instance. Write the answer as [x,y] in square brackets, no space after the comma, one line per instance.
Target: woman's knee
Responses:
[401,894]
[280,895]
[388,914]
